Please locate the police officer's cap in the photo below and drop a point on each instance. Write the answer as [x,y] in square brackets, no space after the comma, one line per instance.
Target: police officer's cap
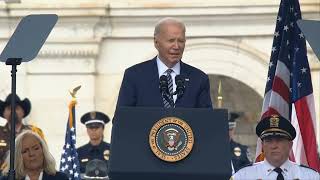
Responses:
[232,120]
[96,169]
[275,126]
[94,119]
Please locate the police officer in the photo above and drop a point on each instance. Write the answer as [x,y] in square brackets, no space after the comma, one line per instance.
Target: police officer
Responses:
[276,134]
[22,109]
[239,152]
[96,148]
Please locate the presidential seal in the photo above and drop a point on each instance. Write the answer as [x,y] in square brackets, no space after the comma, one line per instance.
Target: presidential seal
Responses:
[171,139]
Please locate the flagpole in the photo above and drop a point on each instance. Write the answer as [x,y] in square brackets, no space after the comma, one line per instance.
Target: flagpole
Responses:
[72,104]
[69,162]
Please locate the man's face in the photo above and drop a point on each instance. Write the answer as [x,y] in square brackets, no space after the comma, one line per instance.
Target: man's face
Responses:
[231,133]
[170,43]
[19,113]
[276,150]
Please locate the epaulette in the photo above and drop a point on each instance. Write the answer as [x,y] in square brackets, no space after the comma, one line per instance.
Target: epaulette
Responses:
[308,167]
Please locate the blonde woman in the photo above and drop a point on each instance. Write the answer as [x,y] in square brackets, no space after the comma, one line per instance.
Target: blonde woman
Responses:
[33,161]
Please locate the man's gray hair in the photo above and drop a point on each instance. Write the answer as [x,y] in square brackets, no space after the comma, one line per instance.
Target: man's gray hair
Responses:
[167,20]
[49,164]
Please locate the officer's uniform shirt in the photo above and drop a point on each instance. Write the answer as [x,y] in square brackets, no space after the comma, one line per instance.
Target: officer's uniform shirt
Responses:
[264,171]
[89,152]
[5,140]
[239,155]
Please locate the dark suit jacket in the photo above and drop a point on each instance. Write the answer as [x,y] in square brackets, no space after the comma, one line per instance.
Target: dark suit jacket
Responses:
[140,87]
[57,176]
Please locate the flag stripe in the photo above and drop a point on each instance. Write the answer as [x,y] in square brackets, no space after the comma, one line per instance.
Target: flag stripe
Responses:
[307,132]
[283,72]
[281,89]
[289,87]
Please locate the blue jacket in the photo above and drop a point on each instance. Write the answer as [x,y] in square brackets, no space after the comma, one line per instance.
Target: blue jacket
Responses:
[140,87]
[57,176]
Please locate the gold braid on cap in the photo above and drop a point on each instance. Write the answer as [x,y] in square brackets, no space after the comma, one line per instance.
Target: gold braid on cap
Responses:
[276,129]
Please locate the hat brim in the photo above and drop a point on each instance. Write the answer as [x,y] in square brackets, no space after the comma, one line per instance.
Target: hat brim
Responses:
[25,105]
[94,125]
[275,132]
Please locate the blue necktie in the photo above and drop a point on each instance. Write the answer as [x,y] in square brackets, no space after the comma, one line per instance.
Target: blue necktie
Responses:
[279,171]
[168,100]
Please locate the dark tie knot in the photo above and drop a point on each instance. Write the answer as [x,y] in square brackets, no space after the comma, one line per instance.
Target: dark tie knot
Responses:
[169,71]
[280,176]
[278,170]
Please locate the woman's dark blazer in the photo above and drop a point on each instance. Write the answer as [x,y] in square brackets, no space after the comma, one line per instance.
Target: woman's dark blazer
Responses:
[57,176]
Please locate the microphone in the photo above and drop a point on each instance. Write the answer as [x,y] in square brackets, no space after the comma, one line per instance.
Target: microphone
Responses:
[163,85]
[179,79]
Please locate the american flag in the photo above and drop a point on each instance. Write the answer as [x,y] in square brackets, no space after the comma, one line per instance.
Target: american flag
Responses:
[69,162]
[289,88]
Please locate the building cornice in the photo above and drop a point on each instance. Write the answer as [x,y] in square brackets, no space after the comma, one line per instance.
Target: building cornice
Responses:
[83,25]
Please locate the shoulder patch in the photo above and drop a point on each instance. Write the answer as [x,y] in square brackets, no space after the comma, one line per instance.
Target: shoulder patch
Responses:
[301,165]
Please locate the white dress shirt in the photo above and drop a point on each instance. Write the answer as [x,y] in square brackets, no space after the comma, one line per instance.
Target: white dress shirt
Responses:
[162,71]
[264,171]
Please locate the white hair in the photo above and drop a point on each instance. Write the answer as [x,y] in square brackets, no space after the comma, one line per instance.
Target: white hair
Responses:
[167,20]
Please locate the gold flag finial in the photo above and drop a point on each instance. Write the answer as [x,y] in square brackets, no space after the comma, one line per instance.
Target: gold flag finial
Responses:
[219,98]
[74,91]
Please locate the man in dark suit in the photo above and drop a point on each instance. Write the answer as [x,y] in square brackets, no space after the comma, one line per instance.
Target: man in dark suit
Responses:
[140,85]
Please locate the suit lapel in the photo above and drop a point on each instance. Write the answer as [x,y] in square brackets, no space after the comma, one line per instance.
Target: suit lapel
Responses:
[185,73]
[154,81]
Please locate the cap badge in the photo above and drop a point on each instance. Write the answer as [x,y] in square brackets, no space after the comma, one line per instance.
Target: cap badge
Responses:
[237,151]
[274,121]
[96,172]
[93,115]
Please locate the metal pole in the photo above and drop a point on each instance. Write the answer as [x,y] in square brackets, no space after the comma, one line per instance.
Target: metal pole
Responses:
[13,62]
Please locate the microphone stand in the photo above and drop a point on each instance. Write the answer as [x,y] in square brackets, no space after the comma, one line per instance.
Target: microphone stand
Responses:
[13,62]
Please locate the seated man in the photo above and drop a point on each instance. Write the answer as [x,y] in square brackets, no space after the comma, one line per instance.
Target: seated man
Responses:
[22,110]
[276,134]
[96,148]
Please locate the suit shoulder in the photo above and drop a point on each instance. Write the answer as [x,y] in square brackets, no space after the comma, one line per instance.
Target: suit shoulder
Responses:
[194,69]
[83,147]
[106,144]
[234,144]
[140,66]
[248,166]
[244,171]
